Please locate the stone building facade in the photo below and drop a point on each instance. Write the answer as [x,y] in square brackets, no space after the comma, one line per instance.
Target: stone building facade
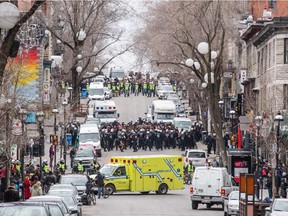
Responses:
[267,66]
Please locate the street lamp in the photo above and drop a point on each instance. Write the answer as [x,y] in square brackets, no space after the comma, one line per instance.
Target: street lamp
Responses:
[55,112]
[278,118]
[23,115]
[232,115]
[64,103]
[221,105]
[40,118]
[258,122]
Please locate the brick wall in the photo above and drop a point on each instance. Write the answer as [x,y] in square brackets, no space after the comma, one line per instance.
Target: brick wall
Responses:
[256,8]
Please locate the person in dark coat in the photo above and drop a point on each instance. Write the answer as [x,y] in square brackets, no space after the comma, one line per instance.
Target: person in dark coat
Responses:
[11,194]
[100,184]
[209,141]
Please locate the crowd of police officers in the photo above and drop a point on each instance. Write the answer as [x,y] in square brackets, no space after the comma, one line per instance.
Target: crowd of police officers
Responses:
[146,87]
[143,135]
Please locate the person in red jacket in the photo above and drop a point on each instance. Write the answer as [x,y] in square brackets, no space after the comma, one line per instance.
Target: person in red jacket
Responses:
[27,185]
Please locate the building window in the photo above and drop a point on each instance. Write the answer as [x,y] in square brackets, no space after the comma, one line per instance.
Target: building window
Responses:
[286,51]
[285,96]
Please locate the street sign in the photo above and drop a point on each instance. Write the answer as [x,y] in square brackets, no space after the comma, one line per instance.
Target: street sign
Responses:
[17,127]
[227,75]
[244,123]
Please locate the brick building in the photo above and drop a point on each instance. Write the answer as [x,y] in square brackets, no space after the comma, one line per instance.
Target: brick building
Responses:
[279,8]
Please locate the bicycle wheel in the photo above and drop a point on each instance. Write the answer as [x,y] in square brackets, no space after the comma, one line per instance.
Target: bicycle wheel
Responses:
[105,194]
[93,198]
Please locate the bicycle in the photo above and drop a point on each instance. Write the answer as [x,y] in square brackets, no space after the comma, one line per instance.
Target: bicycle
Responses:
[105,193]
[91,197]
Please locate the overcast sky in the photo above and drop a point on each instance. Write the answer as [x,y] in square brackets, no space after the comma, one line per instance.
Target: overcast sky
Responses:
[131,25]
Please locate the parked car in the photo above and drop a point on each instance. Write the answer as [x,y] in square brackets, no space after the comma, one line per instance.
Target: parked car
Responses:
[198,157]
[72,203]
[53,199]
[79,181]
[86,154]
[163,90]
[279,207]
[25,208]
[231,204]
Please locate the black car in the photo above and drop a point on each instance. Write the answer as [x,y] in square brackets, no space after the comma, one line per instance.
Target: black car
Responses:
[78,180]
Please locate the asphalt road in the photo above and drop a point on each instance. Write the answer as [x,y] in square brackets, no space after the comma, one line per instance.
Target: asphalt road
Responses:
[174,203]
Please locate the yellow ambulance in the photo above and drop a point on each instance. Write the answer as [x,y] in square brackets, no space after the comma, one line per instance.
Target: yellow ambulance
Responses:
[143,174]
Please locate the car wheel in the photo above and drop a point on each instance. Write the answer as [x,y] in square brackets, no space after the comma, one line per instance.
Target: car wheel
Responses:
[225,214]
[110,188]
[163,189]
[208,206]
[194,205]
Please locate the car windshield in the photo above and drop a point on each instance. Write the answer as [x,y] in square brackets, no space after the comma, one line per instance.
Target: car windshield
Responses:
[75,180]
[59,192]
[165,116]
[99,91]
[196,155]
[68,200]
[166,88]
[234,196]
[55,210]
[106,114]
[107,170]
[86,137]
[280,205]
[183,124]
[173,97]
[22,210]
[84,153]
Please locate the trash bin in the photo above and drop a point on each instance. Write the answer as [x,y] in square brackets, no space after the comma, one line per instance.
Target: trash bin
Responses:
[69,139]
[204,136]
[84,93]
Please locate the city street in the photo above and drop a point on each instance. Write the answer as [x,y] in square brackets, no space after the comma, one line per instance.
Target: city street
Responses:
[174,203]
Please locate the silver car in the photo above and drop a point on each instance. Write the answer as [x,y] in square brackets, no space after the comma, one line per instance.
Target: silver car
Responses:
[231,204]
[72,203]
[279,207]
[54,199]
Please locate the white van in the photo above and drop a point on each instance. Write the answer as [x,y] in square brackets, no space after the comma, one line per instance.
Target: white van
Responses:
[163,111]
[210,185]
[89,134]
[182,123]
[96,91]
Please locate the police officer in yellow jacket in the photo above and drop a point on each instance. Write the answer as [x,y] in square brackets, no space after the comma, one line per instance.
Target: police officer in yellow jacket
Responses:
[80,167]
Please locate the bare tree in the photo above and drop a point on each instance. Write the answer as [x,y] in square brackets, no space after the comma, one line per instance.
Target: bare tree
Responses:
[88,30]
[173,30]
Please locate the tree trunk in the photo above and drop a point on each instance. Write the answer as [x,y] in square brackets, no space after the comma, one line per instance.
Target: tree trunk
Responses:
[215,111]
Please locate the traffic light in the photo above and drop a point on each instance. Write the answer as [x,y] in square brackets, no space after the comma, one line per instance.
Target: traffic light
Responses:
[36,150]
[42,145]
[55,140]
